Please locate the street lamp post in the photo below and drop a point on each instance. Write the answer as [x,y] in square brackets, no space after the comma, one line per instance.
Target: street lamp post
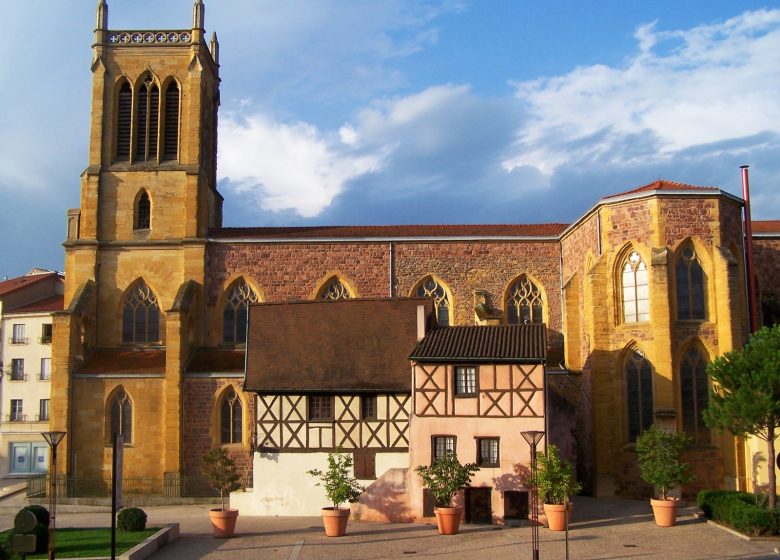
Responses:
[533,438]
[53,439]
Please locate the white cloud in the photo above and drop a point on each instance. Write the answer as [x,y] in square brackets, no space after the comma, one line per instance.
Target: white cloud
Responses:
[286,166]
[680,89]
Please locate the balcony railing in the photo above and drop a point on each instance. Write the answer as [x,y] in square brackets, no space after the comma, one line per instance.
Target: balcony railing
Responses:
[16,418]
[41,418]
[43,376]
[15,340]
[44,339]
[17,376]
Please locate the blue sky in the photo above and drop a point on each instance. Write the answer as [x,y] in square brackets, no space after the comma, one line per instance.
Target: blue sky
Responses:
[404,111]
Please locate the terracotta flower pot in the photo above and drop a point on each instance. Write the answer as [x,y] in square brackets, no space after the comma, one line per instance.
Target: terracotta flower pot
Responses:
[556,516]
[448,519]
[335,521]
[223,521]
[665,511]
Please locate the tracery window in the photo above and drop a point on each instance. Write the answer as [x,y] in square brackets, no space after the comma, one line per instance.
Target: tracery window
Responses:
[639,387]
[143,212]
[431,288]
[234,314]
[121,410]
[334,289]
[123,122]
[147,120]
[694,395]
[691,285]
[524,302]
[140,316]
[231,419]
[636,298]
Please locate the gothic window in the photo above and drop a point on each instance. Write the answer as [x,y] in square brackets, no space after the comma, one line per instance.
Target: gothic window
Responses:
[143,212]
[140,316]
[230,418]
[234,314]
[334,289]
[147,119]
[639,386]
[691,285]
[636,302]
[694,395]
[123,122]
[524,302]
[121,416]
[171,130]
[431,288]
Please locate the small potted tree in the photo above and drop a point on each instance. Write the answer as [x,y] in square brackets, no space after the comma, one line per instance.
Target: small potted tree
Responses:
[220,470]
[444,479]
[659,453]
[340,487]
[555,483]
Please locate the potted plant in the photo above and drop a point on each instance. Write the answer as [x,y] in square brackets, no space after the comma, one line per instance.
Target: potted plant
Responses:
[659,453]
[220,470]
[555,483]
[340,487]
[444,479]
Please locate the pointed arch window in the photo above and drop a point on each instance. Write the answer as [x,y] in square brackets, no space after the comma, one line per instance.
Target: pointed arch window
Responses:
[234,314]
[140,316]
[171,130]
[124,122]
[121,416]
[694,395]
[334,289]
[230,418]
[147,120]
[636,295]
[691,286]
[524,302]
[143,212]
[431,288]
[639,387]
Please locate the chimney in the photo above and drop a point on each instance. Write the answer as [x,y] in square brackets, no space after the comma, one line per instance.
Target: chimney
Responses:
[420,322]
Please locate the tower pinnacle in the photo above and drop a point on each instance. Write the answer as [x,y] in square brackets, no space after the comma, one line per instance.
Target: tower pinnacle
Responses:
[198,14]
[101,15]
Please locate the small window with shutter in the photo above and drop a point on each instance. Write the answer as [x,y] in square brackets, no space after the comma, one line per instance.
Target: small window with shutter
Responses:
[365,465]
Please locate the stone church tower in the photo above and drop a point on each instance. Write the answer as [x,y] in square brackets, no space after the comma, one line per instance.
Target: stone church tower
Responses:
[135,250]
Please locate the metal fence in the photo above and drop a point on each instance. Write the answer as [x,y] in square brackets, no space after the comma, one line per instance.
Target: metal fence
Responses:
[174,486]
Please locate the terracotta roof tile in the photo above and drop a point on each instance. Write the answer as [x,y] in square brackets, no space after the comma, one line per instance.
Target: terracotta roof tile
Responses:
[766,226]
[217,360]
[124,361]
[347,232]
[50,304]
[663,185]
[505,343]
[13,284]
[337,346]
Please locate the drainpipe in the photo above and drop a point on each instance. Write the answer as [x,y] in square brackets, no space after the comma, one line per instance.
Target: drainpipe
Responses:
[749,269]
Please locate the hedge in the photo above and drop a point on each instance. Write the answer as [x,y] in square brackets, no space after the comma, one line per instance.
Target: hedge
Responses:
[739,510]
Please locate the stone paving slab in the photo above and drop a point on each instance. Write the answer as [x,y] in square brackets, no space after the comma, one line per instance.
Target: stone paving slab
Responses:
[605,529]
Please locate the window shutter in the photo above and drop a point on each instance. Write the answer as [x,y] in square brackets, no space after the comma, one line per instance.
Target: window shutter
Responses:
[124,115]
[171,134]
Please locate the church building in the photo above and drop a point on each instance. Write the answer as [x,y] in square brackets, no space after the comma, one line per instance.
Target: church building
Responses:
[634,299]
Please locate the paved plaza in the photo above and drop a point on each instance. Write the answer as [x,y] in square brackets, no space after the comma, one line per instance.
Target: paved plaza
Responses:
[606,529]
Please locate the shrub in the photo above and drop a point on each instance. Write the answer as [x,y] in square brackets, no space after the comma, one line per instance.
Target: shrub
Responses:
[659,453]
[739,510]
[131,519]
[554,477]
[445,477]
[340,485]
[219,468]
[41,529]
[40,512]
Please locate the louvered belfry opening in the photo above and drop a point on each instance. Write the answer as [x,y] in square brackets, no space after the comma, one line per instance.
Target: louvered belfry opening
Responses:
[171,132]
[147,117]
[124,119]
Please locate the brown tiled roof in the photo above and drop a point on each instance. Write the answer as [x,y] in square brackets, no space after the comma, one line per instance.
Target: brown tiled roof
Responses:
[338,346]
[217,360]
[8,286]
[662,185]
[766,226]
[505,343]
[361,232]
[53,303]
[122,361]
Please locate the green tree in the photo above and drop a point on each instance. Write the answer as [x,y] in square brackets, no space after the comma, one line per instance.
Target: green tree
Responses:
[340,486]
[746,394]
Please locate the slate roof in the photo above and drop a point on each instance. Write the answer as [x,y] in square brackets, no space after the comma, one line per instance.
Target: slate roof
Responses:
[357,345]
[504,343]
[124,361]
[217,360]
[663,185]
[392,231]
[49,304]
